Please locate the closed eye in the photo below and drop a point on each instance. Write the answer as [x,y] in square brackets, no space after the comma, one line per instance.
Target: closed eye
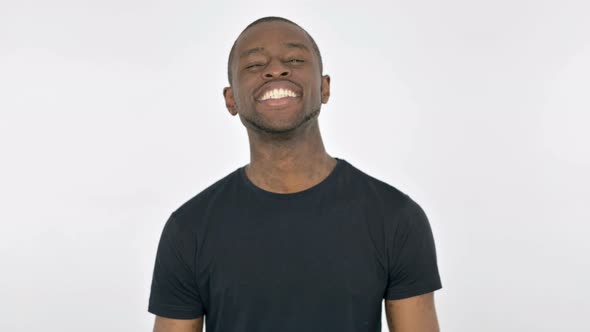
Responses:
[254,65]
[295,60]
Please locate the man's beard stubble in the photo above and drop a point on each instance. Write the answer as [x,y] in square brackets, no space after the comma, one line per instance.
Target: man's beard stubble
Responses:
[259,125]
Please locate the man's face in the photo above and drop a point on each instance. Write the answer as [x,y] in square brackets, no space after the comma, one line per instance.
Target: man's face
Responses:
[276,86]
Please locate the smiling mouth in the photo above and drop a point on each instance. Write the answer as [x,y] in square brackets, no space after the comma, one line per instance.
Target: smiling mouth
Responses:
[278,94]
[277,102]
[279,97]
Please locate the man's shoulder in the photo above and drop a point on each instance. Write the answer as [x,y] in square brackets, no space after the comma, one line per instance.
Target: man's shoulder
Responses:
[206,198]
[374,187]
[387,199]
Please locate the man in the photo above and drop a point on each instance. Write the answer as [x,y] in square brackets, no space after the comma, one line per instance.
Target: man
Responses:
[296,240]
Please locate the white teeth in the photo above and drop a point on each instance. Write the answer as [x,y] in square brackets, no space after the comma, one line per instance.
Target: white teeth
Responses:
[278,93]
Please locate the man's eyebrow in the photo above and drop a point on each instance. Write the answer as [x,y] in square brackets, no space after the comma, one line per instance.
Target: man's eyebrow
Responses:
[260,49]
[250,51]
[297,45]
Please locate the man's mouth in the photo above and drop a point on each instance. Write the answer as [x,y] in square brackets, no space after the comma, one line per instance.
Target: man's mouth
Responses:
[278,97]
[278,94]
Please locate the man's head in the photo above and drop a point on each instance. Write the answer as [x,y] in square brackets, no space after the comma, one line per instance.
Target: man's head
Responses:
[316,49]
[275,76]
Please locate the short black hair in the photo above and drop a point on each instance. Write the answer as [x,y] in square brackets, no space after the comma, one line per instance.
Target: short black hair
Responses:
[271,19]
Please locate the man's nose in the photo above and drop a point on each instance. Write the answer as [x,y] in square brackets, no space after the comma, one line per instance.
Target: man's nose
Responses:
[276,69]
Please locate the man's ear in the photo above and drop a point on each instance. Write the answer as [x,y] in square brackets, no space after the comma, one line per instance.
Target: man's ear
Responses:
[228,95]
[325,88]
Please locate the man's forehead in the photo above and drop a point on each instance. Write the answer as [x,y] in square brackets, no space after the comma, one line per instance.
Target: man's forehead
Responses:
[274,33]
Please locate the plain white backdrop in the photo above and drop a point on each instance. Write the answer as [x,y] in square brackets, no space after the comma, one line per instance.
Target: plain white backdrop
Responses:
[111,116]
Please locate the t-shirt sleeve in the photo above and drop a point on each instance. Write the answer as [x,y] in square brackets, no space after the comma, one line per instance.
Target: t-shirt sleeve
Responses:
[174,292]
[413,268]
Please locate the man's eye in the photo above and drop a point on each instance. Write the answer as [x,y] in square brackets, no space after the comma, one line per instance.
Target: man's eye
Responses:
[295,60]
[254,65]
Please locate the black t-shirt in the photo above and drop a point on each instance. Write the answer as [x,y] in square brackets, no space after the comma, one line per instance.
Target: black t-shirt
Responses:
[322,259]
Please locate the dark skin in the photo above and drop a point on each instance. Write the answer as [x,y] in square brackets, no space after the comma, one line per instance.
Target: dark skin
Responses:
[287,153]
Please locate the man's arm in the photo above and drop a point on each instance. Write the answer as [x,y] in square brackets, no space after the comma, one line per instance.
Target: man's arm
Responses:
[413,314]
[163,324]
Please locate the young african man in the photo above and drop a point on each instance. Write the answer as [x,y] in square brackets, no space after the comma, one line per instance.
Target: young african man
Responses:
[296,240]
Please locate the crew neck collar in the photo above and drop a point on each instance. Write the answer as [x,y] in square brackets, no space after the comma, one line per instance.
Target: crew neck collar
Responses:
[274,195]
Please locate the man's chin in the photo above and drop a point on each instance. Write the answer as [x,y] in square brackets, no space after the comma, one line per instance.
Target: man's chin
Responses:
[274,129]
[280,127]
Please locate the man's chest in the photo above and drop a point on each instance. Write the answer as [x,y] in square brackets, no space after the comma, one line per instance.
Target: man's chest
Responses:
[308,258]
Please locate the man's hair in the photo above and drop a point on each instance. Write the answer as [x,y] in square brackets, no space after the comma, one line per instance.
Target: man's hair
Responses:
[271,19]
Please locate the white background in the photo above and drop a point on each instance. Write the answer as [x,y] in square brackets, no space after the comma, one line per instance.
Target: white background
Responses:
[111,116]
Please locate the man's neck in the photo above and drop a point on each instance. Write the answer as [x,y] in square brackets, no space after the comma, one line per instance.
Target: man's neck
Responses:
[288,165]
